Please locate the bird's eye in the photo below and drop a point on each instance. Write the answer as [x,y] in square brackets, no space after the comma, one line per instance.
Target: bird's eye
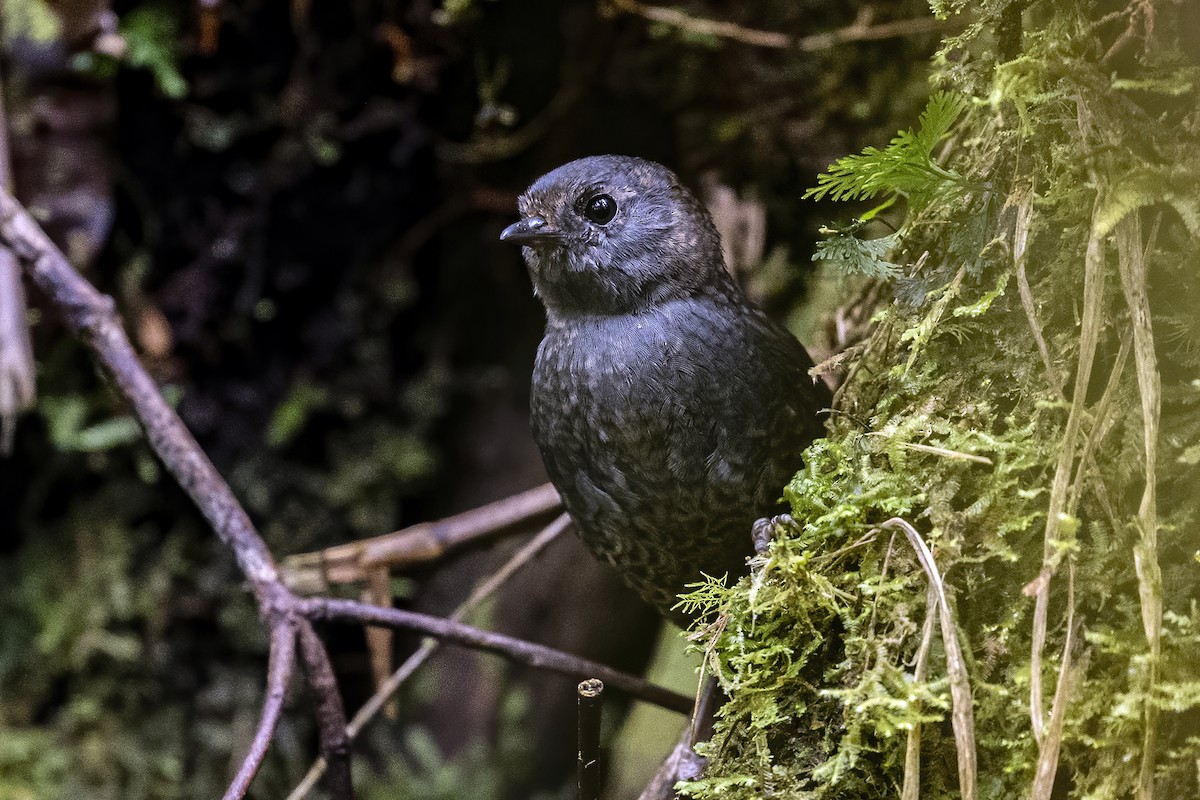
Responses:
[600,209]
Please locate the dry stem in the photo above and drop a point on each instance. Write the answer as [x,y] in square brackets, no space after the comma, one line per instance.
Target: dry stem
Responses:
[861,30]
[279,671]
[912,751]
[1089,337]
[962,713]
[1131,263]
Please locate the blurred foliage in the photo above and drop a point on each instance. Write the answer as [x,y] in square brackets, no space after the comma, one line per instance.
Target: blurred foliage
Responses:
[32,19]
[415,768]
[151,35]
[305,251]
[1020,468]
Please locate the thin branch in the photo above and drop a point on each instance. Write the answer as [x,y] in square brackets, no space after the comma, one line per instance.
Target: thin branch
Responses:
[481,592]
[378,592]
[331,713]
[279,671]
[309,573]
[92,316]
[946,453]
[859,31]
[705,27]
[962,714]
[523,652]
[862,32]
[388,688]
[532,548]
[499,148]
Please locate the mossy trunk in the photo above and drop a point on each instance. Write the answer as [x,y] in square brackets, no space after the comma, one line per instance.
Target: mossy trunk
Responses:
[991,589]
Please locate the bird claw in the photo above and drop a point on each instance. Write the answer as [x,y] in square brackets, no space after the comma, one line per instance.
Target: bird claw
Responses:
[764,530]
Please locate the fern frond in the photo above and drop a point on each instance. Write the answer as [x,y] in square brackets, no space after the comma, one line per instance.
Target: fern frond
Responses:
[849,254]
[905,167]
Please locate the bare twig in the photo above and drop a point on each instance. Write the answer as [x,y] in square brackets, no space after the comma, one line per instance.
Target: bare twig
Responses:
[523,652]
[834,362]
[378,591]
[331,713]
[589,767]
[309,573]
[705,27]
[428,647]
[859,31]
[962,714]
[279,671]
[519,559]
[92,316]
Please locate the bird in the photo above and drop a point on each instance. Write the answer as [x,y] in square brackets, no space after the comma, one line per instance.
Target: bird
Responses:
[669,410]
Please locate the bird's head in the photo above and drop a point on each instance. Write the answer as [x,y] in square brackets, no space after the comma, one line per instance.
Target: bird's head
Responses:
[615,235]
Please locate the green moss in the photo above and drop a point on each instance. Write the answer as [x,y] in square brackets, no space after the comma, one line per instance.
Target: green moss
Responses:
[1018,470]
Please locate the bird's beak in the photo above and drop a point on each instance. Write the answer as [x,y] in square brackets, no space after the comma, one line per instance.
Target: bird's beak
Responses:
[527,230]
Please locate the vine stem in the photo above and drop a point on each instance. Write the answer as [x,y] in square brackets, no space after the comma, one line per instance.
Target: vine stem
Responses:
[911,789]
[1131,263]
[1089,338]
[962,717]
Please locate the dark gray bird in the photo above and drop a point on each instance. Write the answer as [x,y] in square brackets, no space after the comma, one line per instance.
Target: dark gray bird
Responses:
[670,412]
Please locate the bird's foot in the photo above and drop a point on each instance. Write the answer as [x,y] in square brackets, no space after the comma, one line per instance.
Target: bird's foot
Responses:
[764,530]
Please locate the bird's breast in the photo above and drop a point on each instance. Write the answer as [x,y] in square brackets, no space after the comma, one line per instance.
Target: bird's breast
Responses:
[642,402]
[668,433]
